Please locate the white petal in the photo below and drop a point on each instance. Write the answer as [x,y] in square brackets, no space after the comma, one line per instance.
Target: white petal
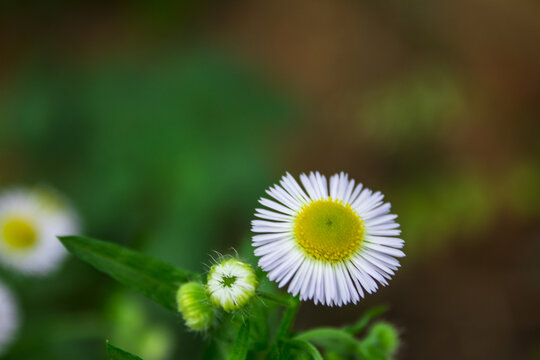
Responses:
[283,197]
[329,284]
[388,241]
[271,215]
[278,207]
[342,185]
[290,267]
[382,227]
[389,260]
[334,182]
[306,182]
[290,184]
[294,286]
[388,269]
[308,279]
[355,193]
[283,225]
[381,210]
[381,220]
[391,232]
[323,187]
[269,229]
[281,245]
[316,186]
[385,249]
[348,192]
[372,201]
[265,238]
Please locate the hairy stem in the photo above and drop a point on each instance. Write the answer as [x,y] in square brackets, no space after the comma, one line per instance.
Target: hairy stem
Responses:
[288,318]
[285,326]
[278,299]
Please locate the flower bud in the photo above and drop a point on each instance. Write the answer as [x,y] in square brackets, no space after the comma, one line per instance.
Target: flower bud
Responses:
[384,336]
[195,307]
[231,284]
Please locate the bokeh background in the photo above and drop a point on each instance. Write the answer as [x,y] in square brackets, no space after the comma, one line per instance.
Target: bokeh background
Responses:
[164,122]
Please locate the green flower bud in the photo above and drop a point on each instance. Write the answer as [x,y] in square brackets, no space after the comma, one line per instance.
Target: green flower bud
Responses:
[231,284]
[193,303]
[384,336]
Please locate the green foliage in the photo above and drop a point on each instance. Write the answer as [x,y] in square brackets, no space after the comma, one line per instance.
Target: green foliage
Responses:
[330,338]
[365,319]
[307,348]
[151,277]
[119,354]
[132,326]
[411,109]
[241,344]
[382,336]
[160,282]
[456,205]
[151,146]
[380,343]
[180,141]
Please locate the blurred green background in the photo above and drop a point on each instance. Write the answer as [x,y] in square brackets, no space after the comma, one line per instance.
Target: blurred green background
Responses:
[165,122]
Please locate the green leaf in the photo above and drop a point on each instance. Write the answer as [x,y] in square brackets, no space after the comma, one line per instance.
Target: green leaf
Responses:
[119,354]
[365,319]
[306,347]
[329,337]
[241,344]
[153,278]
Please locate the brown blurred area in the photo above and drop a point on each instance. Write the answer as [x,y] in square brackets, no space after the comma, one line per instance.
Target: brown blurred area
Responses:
[477,296]
[470,286]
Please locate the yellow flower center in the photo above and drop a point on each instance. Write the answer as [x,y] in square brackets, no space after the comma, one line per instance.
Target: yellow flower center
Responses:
[328,230]
[19,233]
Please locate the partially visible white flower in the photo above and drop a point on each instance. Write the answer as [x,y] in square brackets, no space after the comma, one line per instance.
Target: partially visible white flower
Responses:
[331,242]
[231,284]
[30,221]
[9,318]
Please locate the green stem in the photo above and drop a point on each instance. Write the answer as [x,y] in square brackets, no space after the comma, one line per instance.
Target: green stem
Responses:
[284,327]
[288,318]
[281,300]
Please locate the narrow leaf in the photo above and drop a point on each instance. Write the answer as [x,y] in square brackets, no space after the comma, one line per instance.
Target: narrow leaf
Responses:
[115,353]
[241,344]
[328,337]
[365,319]
[372,353]
[306,347]
[153,278]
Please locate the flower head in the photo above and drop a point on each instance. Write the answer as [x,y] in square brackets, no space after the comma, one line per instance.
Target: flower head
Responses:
[9,319]
[231,284]
[330,242]
[196,309]
[30,220]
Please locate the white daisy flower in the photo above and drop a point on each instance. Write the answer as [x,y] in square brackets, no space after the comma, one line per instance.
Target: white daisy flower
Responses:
[9,319]
[231,284]
[331,244]
[30,220]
